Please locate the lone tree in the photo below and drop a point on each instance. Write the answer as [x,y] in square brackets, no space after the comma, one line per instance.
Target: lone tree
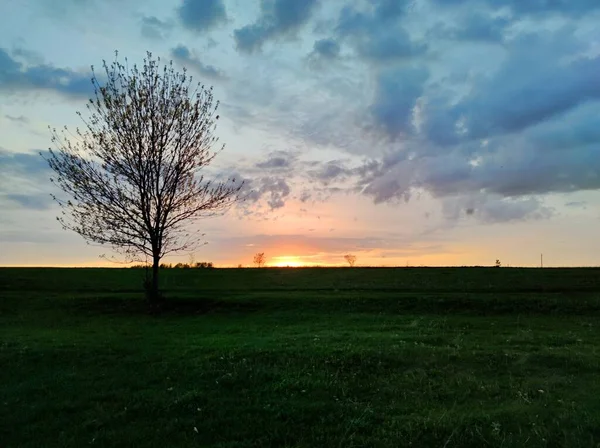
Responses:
[134,172]
[350,259]
[259,259]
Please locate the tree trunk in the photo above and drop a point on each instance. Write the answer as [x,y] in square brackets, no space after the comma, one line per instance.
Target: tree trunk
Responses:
[154,293]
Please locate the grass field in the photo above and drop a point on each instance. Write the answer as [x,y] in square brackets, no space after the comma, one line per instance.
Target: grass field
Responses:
[301,358]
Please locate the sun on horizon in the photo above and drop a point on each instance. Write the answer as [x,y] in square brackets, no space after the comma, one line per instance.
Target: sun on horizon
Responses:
[287,261]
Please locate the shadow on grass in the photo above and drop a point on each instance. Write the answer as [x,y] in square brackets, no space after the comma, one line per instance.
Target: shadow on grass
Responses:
[467,304]
[171,306]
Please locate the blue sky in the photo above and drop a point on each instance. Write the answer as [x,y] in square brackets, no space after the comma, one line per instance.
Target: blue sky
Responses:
[425,132]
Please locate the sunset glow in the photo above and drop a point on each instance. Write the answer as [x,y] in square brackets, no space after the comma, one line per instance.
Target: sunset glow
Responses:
[287,261]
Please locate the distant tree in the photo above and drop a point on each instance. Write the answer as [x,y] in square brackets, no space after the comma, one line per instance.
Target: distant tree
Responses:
[138,266]
[259,259]
[239,266]
[498,264]
[203,265]
[350,259]
[133,173]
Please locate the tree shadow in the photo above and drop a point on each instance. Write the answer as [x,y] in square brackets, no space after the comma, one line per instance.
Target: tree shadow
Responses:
[205,305]
[116,305]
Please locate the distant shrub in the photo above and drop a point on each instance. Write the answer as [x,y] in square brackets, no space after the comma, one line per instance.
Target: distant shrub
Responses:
[198,265]
[204,265]
[350,259]
[259,259]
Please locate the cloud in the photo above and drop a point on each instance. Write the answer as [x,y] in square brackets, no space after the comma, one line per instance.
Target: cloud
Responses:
[534,84]
[476,105]
[278,18]
[24,180]
[183,55]
[509,166]
[327,48]
[274,190]
[32,201]
[395,98]
[495,209]
[154,28]
[15,76]
[533,7]
[277,160]
[331,171]
[20,119]
[476,27]
[352,20]
[377,35]
[201,15]
[23,164]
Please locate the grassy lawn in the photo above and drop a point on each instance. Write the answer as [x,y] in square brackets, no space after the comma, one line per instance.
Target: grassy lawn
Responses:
[301,358]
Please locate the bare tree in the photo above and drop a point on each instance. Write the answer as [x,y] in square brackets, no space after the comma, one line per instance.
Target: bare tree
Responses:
[259,259]
[134,173]
[350,259]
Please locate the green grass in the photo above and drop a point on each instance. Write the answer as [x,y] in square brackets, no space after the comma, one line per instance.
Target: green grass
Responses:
[301,358]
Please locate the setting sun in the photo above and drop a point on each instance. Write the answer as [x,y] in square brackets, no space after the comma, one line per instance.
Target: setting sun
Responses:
[287,261]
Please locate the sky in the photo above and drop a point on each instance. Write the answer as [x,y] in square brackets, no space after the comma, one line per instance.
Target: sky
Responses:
[407,133]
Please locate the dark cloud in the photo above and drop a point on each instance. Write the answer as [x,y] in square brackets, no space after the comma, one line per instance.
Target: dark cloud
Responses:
[278,18]
[475,27]
[30,164]
[274,163]
[353,20]
[507,167]
[389,43]
[29,56]
[542,76]
[305,196]
[277,161]
[154,28]
[20,119]
[15,76]
[201,15]
[25,180]
[396,94]
[532,86]
[183,55]
[330,171]
[273,190]
[564,7]
[496,209]
[327,48]
[376,34]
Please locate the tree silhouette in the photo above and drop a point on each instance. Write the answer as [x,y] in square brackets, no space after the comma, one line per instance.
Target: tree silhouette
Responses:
[259,259]
[134,173]
[350,259]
